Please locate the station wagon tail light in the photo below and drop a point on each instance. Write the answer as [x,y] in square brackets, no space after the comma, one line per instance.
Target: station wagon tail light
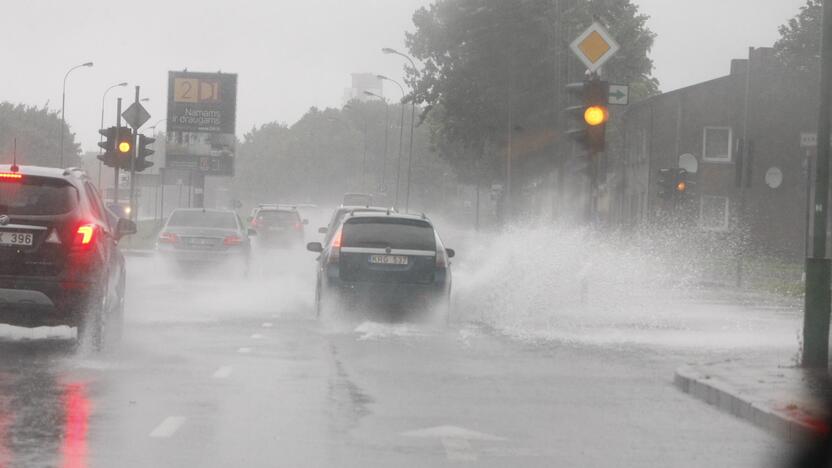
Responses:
[298,226]
[232,240]
[84,236]
[168,238]
[335,250]
[441,259]
[10,176]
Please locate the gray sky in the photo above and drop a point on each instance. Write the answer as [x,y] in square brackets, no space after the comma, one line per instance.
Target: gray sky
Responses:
[291,55]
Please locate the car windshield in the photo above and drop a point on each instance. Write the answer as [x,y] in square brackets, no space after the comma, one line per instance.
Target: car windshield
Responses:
[286,218]
[36,196]
[389,232]
[203,219]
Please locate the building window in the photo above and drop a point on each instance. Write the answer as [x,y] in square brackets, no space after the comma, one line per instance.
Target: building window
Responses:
[716,144]
[714,213]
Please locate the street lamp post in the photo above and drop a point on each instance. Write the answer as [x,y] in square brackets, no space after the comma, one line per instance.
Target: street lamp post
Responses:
[101,138]
[63,108]
[386,132]
[401,138]
[389,51]
[364,161]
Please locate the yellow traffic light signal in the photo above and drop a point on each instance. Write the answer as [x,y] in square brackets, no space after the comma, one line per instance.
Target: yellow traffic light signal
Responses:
[124,147]
[595,115]
[681,186]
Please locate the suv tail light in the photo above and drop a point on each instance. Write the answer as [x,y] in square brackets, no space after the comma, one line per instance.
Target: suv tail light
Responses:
[335,248]
[232,240]
[85,236]
[298,226]
[168,238]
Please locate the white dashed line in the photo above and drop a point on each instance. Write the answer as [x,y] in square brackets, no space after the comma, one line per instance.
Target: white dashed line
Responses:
[223,372]
[244,350]
[168,427]
[256,336]
[267,325]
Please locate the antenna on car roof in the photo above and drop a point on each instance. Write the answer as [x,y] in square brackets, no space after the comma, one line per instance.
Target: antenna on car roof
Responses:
[14,167]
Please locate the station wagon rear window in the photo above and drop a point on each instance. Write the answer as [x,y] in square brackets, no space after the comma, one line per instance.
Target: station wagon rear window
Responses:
[395,233]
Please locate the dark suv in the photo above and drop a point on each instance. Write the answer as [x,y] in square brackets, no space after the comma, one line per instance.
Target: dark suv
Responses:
[59,257]
[385,263]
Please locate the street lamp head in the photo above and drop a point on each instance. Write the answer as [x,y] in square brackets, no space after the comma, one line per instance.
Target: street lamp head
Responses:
[382,77]
[147,99]
[122,84]
[388,50]
[368,93]
[88,64]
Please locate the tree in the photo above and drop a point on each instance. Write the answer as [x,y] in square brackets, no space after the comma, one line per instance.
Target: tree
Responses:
[799,43]
[495,69]
[36,131]
[321,156]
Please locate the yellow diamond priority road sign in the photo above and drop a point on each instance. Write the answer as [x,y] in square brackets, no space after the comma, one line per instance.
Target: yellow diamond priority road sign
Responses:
[594,46]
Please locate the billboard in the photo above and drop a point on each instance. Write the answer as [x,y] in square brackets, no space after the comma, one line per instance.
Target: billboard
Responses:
[201,121]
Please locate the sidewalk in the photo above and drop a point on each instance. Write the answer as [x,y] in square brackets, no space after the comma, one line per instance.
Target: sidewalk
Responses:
[780,399]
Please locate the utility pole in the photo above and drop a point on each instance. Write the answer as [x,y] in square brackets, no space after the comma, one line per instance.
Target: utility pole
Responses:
[817,298]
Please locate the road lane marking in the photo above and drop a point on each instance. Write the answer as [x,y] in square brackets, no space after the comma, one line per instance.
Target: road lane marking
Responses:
[455,440]
[256,336]
[168,427]
[267,325]
[223,372]
[244,350]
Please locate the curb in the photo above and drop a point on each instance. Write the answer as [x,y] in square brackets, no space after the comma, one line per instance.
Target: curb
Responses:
[789,423]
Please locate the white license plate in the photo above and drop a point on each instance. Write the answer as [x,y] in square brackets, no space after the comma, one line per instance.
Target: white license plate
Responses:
[16,238]
[199,241]
[388,259]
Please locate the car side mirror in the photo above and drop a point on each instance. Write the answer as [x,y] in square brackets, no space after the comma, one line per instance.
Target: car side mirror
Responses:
[451,253]
[305,221]
[322,230]
[315,247]
[251,232]
[125,227]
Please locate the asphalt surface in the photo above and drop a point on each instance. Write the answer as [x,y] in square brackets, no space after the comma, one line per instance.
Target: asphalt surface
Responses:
[216,371]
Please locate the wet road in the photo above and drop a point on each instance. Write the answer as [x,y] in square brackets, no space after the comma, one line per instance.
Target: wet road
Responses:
[214,372]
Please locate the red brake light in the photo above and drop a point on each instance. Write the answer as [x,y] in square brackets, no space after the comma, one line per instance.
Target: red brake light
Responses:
[335,250]
[336,239]
[232,240]
[298,226]
[84,236]
[168,238]
[10,176]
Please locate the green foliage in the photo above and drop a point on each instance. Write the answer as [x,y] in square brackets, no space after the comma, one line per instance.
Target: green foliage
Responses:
[36,131]
[484,58]
[321,157]
[799,43]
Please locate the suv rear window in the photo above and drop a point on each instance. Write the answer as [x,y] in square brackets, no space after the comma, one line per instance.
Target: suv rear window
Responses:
[396,233]
[278,217]
[37,196]
[206,219]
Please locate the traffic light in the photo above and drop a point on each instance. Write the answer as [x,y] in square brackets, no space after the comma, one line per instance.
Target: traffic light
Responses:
[142,163]
[117,150]
[591,115]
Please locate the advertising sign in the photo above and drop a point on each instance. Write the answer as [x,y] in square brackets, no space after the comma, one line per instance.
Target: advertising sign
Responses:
[201,122]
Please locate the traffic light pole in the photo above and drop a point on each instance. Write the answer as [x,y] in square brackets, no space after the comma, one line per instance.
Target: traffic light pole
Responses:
[133,210]
[817,298]
[115,169]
